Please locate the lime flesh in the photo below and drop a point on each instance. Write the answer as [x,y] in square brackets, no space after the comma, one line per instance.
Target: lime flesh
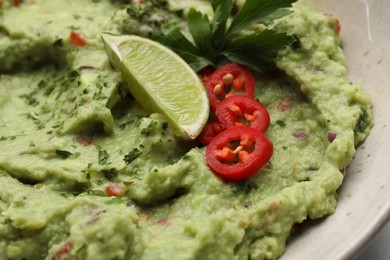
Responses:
[160,81]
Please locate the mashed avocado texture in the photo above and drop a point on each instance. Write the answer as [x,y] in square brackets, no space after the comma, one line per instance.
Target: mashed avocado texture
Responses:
[69,128]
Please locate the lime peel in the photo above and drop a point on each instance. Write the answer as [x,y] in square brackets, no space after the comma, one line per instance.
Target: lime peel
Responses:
[160,81]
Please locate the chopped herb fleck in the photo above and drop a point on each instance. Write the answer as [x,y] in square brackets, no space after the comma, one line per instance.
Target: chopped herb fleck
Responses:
[30,99]
[124,124]
[132,155]
[109,174]
[281,123]
[245,186]
[58,43]
[362,123]
[63,154]
[122,89]
[146,131]
[49,90]
[41,84]
[98,95]
[103,156]
[164,125]
[64,194]
[74,74]
[186,157]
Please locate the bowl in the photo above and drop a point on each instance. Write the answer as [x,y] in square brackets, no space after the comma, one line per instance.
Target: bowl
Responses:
[364,198]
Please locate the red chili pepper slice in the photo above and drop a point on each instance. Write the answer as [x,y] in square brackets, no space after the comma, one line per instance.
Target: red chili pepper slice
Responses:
[77,39]
[229,80]
[242,111]
[238,153]
[205,73]
[211,129]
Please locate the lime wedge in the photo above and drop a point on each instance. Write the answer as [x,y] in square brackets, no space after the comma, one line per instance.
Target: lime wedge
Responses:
[160,81]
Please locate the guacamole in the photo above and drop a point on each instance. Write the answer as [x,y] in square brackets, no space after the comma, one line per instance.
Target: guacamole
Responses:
[69,128]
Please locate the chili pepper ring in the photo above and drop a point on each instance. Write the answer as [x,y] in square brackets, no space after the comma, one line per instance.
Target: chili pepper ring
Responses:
[238,153]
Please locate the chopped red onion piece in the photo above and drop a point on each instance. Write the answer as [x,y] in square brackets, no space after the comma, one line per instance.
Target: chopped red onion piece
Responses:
[299,135]
[284,104]
[164,222]
[86,67]
[331,136]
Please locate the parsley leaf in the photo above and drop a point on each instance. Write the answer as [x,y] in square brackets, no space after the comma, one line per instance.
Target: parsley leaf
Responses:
[201,31]
[259,46]
[215,40]
[222,10]
[175,40]
[257,11]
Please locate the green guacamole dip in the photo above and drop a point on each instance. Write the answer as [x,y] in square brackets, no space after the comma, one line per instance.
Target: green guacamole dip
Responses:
[68,127]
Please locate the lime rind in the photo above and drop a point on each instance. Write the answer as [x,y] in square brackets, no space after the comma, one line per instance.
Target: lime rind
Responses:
[160,81]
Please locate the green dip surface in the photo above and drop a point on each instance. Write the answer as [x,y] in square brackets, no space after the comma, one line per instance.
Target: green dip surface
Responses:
[68,127]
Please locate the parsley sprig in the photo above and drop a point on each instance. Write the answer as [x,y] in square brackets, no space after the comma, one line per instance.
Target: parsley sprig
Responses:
[217,39]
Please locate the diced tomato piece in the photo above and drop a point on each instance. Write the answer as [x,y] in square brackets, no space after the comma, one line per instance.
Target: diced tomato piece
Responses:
[242,111]
[336,22]
[114,189]
[229,80]
[337,26]
[77,39]
[63,251]
[16,2]
[252,151]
